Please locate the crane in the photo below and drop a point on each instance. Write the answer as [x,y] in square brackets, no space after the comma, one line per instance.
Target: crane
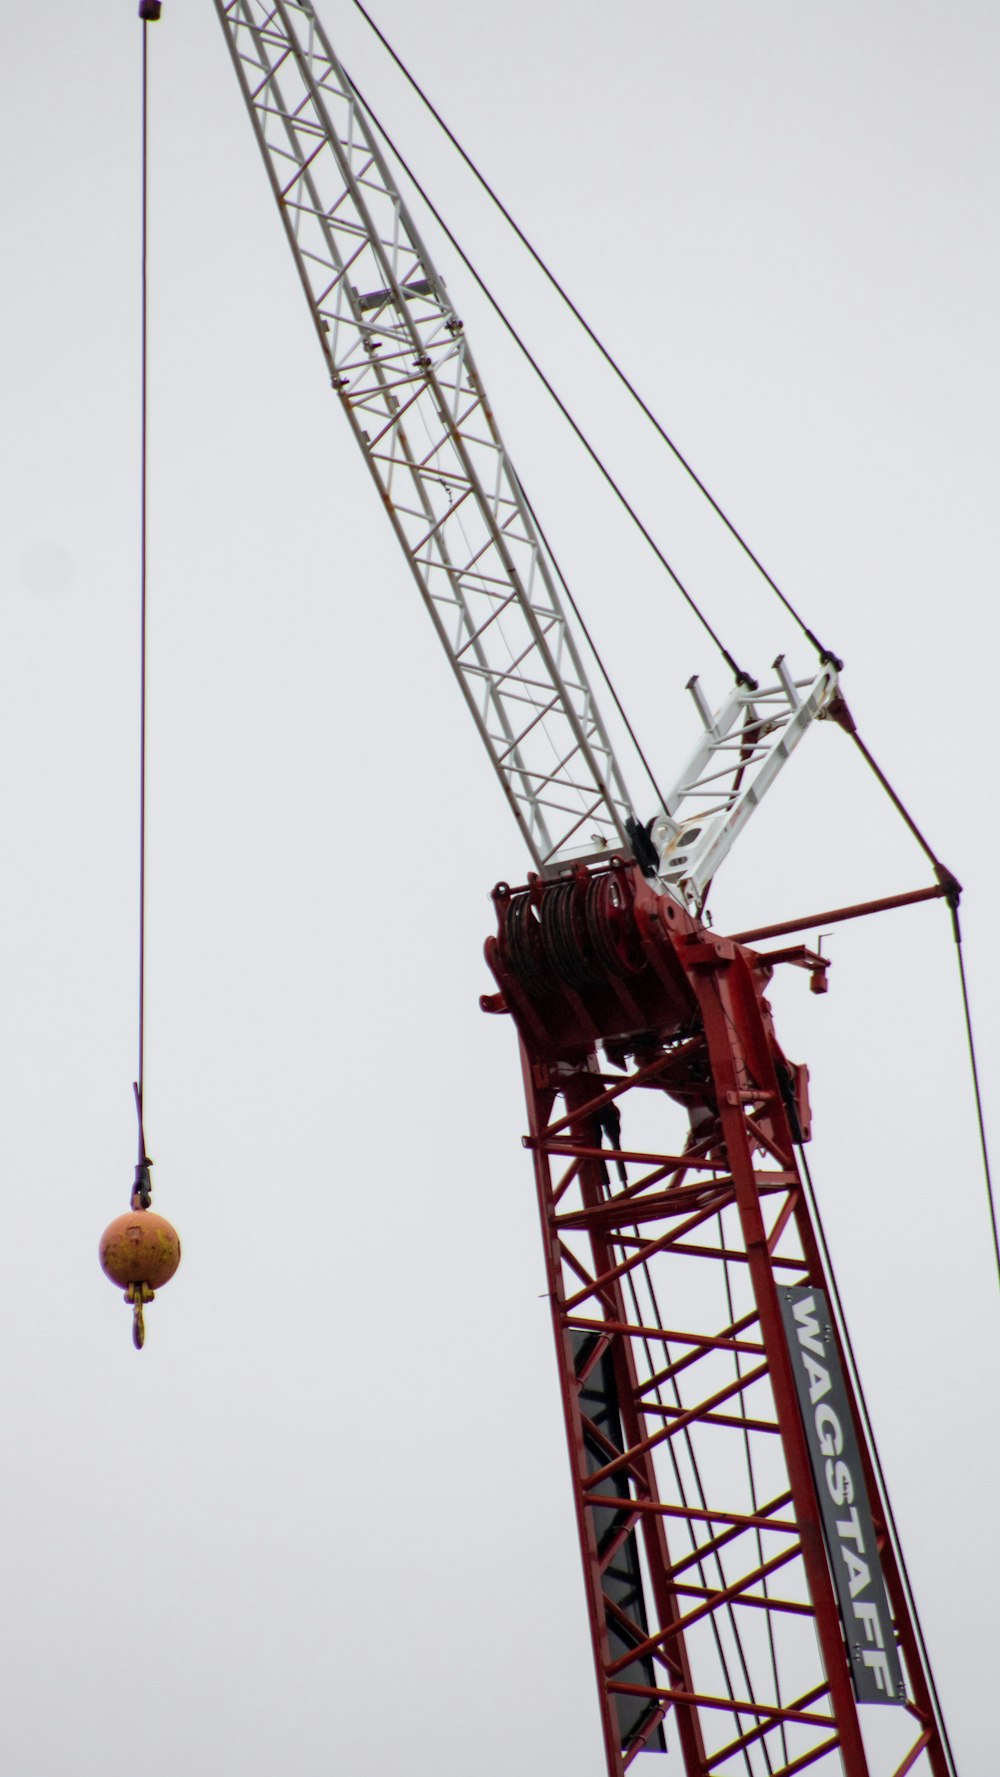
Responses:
[744,1591]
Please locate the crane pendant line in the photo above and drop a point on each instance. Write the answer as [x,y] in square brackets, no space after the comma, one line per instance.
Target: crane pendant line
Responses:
[399,360]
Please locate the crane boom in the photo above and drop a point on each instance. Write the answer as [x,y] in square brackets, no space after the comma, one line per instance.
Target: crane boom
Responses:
[399,359]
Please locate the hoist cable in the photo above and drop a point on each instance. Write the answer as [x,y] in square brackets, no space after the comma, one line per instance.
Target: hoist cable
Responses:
[826,655]
[855,1374]
[143,504]
[741,677]
[142,1190]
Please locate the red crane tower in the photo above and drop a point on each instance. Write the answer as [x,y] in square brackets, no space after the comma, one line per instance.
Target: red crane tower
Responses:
[747,1601]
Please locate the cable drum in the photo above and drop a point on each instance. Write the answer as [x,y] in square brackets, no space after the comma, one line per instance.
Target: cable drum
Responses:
[564,935]
[611,927]
[522,940]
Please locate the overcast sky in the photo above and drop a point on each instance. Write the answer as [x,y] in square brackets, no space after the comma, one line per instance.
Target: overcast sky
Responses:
[323,1523]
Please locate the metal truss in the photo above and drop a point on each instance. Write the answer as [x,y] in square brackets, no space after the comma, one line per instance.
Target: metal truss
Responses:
[399,360]
[712,1608]
[743,748]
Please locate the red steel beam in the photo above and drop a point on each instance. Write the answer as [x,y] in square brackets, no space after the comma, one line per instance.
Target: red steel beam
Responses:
[860,910]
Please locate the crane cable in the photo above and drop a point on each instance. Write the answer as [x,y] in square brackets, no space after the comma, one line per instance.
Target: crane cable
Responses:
[952,894]
[578,614]
[840,712]
[983,1146]
[826,655]
[741,676]
[149,12]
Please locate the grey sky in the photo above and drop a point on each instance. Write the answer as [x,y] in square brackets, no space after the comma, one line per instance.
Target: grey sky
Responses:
[322,1524]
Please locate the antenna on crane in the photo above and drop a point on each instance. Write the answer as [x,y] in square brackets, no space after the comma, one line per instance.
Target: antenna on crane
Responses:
[141,1250]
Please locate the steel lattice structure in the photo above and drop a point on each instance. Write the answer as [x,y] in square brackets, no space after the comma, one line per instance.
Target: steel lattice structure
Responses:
[399,359]
[665,1272]
[722,1625]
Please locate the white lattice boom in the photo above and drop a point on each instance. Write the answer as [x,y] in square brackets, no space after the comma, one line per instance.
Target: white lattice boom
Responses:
[399,360]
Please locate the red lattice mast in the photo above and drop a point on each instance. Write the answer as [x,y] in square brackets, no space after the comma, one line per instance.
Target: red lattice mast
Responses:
[688,1295]
[710,1583]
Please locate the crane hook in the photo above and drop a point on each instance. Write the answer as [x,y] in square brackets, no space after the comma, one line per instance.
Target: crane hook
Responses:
[138,1294]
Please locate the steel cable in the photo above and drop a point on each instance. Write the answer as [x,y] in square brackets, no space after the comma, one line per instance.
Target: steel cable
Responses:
[742,677]
[952,893]
[142,1187]
[143,508]
[826,655]
[574,607]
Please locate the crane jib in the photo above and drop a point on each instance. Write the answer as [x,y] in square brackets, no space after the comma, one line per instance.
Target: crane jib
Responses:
[398,357]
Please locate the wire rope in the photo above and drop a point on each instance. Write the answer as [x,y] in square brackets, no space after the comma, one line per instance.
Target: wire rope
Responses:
[142,1189]
[826,655]
[741,676]
[842,715]
[977,1091]
[143,532]
[571,601]
[952,894]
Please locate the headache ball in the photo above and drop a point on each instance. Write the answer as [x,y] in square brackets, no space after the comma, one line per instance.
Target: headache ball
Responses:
[140,1247]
